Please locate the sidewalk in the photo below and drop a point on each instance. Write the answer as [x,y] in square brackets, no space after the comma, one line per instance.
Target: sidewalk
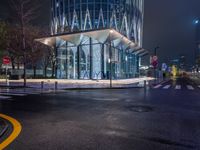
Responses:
[76,84]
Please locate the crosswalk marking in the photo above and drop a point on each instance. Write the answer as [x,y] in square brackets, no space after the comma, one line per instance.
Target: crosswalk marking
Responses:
[157,86]
[178,87]
[190,87]
[167,87]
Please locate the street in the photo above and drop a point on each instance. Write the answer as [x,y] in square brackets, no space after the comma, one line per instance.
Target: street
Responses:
[162,117]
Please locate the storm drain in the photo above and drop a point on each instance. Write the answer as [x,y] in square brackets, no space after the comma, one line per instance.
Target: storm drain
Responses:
[140,108]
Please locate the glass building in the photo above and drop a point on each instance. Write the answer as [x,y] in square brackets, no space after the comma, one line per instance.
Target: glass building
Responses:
[97,39]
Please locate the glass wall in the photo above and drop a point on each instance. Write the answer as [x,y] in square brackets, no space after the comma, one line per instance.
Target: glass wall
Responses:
[93,60]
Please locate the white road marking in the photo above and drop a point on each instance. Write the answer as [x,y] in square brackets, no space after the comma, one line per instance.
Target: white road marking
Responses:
[199,86]
[190,87]
[4,97]
[157,86]
[13,94]
[178,87]
[167,87]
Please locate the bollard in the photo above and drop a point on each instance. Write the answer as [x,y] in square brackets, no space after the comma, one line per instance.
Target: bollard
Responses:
[56,85]
[42,84]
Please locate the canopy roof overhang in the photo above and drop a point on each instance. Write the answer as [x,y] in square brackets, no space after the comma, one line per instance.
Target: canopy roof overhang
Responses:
[101,35]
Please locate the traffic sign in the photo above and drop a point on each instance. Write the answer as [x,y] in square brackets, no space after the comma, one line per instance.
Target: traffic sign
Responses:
[155,64]
[155,58]
[164,66]
[6,60]
[154,61]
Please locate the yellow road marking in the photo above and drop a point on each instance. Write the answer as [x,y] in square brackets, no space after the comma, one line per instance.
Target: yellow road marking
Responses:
[16,131]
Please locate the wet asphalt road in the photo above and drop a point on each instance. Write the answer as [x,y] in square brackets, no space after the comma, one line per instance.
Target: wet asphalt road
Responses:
[120,119]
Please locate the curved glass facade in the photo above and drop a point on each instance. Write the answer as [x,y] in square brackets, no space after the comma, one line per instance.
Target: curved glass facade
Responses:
[95,57]
[126,16]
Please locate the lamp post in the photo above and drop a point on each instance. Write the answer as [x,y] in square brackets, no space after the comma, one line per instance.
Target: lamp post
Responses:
[197,41]
[155,50]
[155,67]
[126,60]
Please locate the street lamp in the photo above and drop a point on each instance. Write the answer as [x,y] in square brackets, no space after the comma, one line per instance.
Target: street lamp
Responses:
[196,23]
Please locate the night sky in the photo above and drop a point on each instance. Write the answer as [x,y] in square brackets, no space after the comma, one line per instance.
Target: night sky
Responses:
[168,24]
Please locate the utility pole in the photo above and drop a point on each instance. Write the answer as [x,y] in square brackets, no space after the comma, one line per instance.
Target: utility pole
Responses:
[155,50]
[155,67]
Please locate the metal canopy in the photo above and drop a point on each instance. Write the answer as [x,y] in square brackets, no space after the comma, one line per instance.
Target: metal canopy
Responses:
[102,36]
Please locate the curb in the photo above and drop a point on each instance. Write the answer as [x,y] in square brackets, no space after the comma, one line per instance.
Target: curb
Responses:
[113,88]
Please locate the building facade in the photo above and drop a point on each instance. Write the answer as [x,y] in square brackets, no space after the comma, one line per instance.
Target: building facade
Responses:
[97,39]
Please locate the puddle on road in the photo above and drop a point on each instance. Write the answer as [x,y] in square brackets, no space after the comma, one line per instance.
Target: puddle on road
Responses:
[170,142]
[106,99]
[140,108]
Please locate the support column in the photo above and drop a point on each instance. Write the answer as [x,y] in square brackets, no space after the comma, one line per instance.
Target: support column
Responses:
[67,61]
[110,55]
[91,59]
[56,63]
[78,61]
[102,61]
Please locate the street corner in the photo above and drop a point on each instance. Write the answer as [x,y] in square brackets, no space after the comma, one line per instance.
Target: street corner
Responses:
[10,129]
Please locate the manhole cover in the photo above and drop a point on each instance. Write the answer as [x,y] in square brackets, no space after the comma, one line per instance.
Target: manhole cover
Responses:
[140,108]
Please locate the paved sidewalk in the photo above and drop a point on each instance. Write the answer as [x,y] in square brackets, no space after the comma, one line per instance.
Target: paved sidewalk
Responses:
[70,84]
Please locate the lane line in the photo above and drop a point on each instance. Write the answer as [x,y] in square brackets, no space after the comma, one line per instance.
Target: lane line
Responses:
[178,87]
[167,87]
[157,86]
[15,133]
[190,87]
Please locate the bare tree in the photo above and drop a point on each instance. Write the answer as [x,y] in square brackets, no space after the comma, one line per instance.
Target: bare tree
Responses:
[24,11]
[35,49]
[3,41]
[13,39]
[46,58]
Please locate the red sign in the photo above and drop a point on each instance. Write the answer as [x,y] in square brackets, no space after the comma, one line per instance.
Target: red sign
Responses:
[154,61]
[155,64]
[6,60]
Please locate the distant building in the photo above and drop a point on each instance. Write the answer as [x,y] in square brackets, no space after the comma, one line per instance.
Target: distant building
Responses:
[180,62]
[97,39]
